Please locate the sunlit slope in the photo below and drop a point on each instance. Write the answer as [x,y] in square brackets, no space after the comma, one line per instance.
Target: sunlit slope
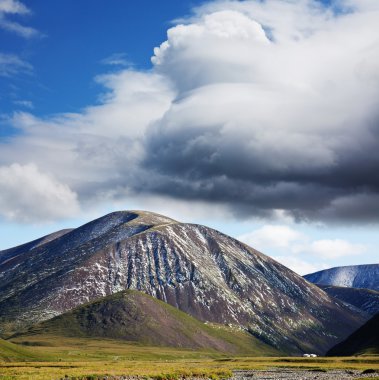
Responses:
[352,276]
[15,352]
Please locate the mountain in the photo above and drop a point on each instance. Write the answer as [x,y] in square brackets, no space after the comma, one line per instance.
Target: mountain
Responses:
[134,316]
[366,300]
[363,341]
[353,276]
[196,269]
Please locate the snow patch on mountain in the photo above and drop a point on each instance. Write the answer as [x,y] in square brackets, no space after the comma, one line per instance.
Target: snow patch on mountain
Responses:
[354,276]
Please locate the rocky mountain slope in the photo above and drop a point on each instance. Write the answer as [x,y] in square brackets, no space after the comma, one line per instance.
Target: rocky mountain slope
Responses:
[194,268]
[366,300]
[135,316]
[363,341]
[14,252]
[353,276]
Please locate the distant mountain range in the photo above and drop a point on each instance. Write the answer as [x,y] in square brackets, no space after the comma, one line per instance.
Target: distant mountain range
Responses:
[353,276]
[200,271]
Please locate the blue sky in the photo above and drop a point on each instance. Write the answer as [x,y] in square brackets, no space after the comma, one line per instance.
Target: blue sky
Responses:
[75,37]
[256,118]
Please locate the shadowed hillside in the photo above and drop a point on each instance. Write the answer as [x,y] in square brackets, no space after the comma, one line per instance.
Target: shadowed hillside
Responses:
[366,300]
[138,317]
[363,341]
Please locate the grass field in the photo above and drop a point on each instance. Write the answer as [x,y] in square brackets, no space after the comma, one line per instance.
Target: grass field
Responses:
[49,357]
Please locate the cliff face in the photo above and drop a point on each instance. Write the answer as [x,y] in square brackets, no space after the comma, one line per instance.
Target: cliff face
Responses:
[194,268]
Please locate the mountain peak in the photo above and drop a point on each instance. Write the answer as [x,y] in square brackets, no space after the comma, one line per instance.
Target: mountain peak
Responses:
[149,217]
[129,217]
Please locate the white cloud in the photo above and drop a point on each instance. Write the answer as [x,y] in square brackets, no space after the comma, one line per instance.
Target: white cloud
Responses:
[297,250]
[11,64]
[29,195]
[96,152]
[298,265]
[15,7]
[218,48]
[334,248]
[117,59]
[24,103]
[273,236]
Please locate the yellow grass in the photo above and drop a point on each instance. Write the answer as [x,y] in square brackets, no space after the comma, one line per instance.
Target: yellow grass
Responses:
[83,358]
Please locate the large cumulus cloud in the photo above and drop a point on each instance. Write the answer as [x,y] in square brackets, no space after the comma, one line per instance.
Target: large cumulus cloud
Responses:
[282,119]
[256,106]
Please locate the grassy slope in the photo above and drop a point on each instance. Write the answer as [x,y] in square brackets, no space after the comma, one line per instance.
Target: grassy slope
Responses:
[13,352]
[136,317]
[364,341]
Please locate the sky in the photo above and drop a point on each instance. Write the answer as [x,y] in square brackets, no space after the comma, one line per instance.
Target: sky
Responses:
[257,118]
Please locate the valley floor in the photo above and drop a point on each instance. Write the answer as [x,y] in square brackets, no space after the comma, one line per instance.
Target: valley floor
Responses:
[246,368]
[44,357]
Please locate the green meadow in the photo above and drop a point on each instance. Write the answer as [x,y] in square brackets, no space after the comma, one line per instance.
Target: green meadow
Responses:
[54,357]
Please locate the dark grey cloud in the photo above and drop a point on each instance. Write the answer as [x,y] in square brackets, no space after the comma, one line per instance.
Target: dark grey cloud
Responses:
[199,163]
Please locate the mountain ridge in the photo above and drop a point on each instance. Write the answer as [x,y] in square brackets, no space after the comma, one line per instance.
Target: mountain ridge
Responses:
[366,300]
[8,254]
[355,276]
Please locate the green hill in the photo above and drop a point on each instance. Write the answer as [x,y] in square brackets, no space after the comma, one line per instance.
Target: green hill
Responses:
[14,352]
[363,341]
[137,317]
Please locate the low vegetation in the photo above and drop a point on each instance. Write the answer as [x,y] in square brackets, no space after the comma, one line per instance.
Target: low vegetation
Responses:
[42,357]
